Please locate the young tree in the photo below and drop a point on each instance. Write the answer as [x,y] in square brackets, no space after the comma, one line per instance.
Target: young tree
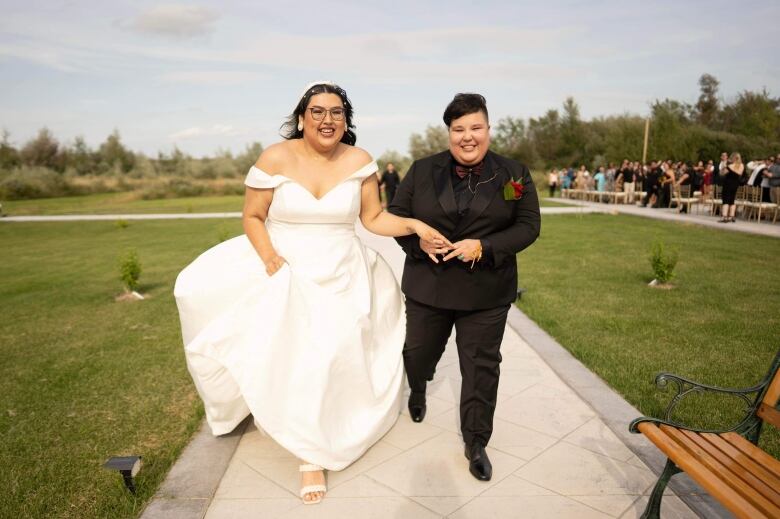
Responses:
[43,150]
[572,133]
[754,114]
[80,157]
[435,140]
[511,138]
[245,160]
[708,105]
[545,136]
[113,154]
[9,156]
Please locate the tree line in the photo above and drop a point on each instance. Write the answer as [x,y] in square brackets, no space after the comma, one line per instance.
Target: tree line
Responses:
[749,123]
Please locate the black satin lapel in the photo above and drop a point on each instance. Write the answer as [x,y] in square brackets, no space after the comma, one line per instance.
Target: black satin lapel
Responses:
[443,185]
[485,194]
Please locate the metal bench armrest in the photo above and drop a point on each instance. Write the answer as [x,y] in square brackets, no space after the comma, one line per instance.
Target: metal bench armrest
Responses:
[684,387]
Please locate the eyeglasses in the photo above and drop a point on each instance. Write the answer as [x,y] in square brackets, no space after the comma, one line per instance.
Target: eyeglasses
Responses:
[318,113]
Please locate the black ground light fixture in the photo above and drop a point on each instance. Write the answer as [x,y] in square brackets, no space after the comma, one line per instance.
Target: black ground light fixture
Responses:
[128,466]
[520,292]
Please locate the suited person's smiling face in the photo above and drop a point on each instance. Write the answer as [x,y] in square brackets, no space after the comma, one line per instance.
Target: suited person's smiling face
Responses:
[469,138]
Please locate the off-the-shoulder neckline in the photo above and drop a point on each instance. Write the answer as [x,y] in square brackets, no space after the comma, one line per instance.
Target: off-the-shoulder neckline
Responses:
[359,170]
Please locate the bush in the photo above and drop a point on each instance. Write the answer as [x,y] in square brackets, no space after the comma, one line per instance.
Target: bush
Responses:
[32,182]
[130,270]
[663,262]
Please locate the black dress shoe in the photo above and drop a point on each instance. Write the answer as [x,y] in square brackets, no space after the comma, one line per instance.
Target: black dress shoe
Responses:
[479,463]
[417,407]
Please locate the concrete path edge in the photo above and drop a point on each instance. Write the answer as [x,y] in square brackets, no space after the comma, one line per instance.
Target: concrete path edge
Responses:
[616,412]
[190,485]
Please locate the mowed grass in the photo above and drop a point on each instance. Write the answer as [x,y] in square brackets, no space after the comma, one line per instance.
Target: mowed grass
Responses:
[130,203]
[122,203]
[84,377]
[586,279]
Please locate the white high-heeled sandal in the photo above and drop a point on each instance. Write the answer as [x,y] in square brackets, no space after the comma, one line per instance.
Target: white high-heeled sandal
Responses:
[308,489]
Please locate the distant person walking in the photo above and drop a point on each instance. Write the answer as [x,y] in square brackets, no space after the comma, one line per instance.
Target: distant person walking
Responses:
[654,173]
[772,173]
[734,171]
[390,181]
[720,171]
[552,181]
[627,174]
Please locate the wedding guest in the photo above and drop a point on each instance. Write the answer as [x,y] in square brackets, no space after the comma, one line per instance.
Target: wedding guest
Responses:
[734,171]
[552,181]
[626,175]
[390,181]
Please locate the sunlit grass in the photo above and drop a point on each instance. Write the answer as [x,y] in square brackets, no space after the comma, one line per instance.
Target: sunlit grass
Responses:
[586,279]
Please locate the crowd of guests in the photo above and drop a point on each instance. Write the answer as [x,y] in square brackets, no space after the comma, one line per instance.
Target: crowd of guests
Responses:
[657,179]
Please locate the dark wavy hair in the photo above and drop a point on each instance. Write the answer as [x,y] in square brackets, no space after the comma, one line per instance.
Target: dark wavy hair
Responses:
[464,104]
[289,129]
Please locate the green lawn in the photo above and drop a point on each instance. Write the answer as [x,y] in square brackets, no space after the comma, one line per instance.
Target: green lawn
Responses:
[122,203]
[586,279]
[128,203]
[84,377]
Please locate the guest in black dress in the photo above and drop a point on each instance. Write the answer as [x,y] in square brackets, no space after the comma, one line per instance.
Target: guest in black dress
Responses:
[734,171]
[390,181]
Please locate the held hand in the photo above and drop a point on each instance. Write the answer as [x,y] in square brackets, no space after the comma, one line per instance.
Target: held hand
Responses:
[431,249]
[465,250]
[433,240]
[273,264]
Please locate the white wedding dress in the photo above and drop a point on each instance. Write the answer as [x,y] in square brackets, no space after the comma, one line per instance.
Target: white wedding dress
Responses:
[314,351]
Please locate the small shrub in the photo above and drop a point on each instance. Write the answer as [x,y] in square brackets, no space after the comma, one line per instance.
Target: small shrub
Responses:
[122,224]
[130,270]
[663,262]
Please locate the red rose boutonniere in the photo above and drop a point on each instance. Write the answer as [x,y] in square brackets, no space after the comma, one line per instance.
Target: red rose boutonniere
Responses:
[513,190]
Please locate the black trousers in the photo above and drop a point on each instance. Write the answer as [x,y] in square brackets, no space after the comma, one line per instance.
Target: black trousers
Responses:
[478,335]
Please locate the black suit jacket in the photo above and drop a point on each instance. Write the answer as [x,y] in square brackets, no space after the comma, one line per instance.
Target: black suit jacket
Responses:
[509,225]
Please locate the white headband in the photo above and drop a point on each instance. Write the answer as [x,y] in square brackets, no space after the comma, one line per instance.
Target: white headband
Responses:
[315,83]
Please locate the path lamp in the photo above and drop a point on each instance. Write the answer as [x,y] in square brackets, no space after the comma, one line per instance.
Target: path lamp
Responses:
[128,466]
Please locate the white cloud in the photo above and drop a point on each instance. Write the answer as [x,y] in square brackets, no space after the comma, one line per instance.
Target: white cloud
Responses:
[226,130]
[175,20]
[213,77]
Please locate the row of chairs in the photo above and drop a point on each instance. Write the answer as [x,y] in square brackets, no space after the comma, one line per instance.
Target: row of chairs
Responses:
[591,195]
[748,201]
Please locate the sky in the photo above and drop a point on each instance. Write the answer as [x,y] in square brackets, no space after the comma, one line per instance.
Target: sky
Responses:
[210,76]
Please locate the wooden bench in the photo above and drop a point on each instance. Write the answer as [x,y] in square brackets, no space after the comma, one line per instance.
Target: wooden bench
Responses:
[727,463]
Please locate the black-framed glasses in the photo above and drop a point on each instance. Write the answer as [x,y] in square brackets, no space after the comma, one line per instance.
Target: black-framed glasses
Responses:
[318,113]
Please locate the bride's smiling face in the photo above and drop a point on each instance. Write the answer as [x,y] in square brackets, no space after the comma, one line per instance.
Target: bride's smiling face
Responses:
[329,129]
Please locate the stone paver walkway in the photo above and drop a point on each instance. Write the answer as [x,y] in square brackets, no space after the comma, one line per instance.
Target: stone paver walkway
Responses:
[699,218]
[553,457]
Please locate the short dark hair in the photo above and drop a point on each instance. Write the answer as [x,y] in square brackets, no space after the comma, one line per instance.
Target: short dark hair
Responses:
[289,129]
[464,104]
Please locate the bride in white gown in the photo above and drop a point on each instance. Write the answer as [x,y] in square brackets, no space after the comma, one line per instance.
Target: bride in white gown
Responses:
[298,322]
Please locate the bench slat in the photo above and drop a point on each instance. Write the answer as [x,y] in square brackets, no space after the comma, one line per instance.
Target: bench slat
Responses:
[723,473]
[740,506]
[767,487]
[754,452]
[745,460]
[769,414]
[773,393]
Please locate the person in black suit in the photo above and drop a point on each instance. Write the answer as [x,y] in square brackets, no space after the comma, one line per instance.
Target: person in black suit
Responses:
[390,181]
[487,206]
